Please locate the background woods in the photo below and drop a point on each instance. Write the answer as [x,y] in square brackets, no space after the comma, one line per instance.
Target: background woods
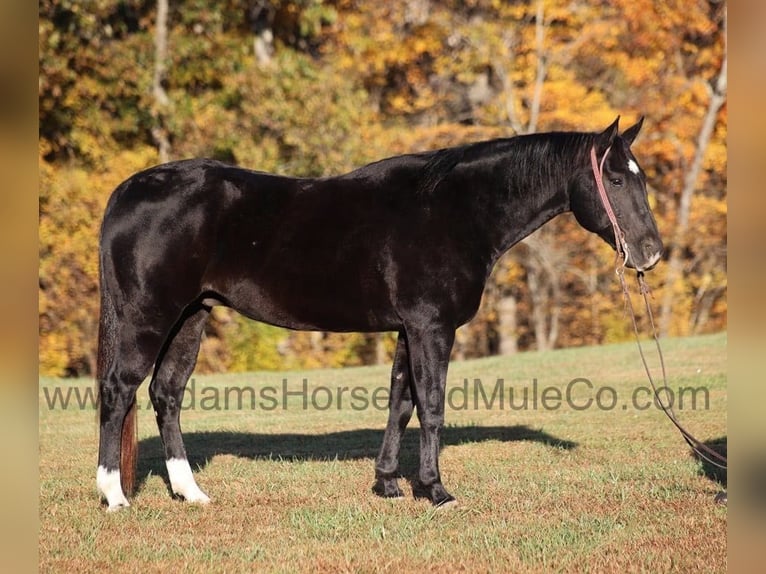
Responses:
[312,87]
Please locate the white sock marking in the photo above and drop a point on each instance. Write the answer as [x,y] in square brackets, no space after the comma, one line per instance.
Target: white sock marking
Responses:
[633,166]
[182,481]
[108,482]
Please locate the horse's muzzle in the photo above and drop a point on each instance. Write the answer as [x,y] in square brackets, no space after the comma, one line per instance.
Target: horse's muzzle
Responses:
[651,262]
[651,253]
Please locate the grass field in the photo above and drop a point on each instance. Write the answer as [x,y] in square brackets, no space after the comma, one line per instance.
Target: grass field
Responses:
[556,483]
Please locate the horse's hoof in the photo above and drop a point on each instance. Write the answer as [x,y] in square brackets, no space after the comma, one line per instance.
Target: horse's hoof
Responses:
[387,488]
[436,493]
[116,507]
[721,498]
[450,502]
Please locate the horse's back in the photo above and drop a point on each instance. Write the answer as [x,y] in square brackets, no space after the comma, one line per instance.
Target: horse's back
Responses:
[186,184]
[161,225]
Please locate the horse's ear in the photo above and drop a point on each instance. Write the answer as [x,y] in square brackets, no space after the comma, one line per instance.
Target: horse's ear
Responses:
[605,138]
[629,135]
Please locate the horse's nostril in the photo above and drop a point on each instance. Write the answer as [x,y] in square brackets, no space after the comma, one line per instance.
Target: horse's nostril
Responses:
[652,248]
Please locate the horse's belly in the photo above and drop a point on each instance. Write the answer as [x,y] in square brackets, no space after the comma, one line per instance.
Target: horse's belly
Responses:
[324,302]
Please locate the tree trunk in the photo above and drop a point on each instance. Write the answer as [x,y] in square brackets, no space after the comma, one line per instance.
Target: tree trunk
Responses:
[543,279]
[675,261]
[534,111]
[381,354]
[161,100]
[544,261]
[261,19]
[507,326]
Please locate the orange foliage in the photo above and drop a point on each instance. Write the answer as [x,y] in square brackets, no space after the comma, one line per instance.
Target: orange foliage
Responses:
[355,80]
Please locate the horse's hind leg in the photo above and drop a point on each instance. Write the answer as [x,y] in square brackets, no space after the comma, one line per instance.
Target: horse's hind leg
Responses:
[171,373]
[126,353]
[400,412]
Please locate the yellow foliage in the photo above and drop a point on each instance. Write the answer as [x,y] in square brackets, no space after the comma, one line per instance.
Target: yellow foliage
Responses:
[351,82]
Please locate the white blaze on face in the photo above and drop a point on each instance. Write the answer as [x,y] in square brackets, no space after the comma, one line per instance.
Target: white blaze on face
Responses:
[633,166]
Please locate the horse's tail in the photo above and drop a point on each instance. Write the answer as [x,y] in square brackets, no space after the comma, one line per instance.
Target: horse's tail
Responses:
[129,451]
[107,335]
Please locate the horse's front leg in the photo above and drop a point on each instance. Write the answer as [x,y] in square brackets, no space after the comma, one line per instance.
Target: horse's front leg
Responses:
[429,350]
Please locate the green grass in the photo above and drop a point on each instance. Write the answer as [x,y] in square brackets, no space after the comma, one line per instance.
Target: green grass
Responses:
[539,490]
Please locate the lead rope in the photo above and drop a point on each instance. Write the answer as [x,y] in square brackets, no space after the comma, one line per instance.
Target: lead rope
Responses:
[702,450]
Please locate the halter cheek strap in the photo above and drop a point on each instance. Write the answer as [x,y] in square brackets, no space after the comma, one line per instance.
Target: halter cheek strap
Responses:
[598,172]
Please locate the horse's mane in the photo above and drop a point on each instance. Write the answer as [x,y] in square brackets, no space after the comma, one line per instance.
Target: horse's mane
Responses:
[527,160]
[438,167]
[532,160]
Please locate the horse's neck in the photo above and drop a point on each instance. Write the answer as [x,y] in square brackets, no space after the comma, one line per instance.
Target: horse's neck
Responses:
[531,194]
[527,214]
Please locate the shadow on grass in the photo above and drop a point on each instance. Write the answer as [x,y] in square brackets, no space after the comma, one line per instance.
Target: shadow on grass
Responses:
[710,470]
[342,445]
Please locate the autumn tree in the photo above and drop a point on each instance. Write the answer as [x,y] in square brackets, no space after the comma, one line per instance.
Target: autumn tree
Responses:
[318,87]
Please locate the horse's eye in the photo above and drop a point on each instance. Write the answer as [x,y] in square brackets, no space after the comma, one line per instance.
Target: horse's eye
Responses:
[616,181]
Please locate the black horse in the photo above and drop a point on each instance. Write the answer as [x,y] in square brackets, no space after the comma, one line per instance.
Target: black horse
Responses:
[405,244]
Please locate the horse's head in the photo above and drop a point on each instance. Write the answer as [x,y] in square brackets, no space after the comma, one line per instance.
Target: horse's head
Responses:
[625,185]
